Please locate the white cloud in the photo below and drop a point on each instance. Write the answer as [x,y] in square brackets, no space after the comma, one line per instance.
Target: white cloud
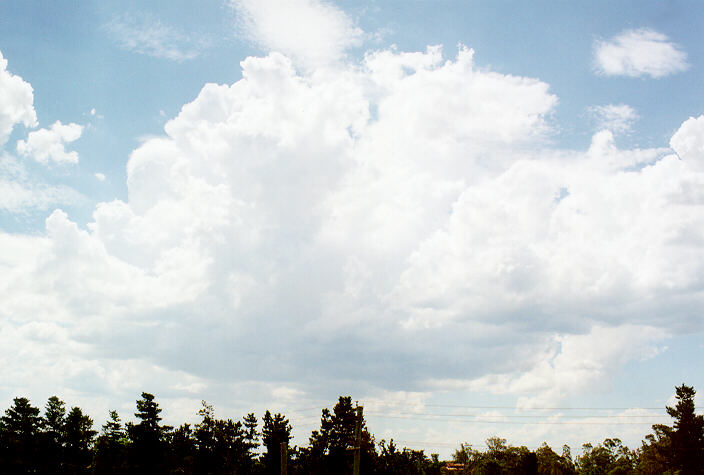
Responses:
[641,52]
[16,102]
[617,118]
[688,142]
[21,194]
[575,363]
[287,220]
[313,32]
[45,145]
[100,176]
[147,35]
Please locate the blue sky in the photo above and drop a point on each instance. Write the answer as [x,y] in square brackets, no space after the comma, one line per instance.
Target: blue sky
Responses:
[268,204]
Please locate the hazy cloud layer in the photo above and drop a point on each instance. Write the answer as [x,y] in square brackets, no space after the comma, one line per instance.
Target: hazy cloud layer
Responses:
[641,52]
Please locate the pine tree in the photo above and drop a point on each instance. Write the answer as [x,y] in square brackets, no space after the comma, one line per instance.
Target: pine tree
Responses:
[111,449]
[275,430]
[78,436]
[688,432]
[147,437]
[21,424]
[53,436]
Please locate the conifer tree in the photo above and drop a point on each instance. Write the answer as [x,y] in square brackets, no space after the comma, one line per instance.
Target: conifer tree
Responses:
[688,431]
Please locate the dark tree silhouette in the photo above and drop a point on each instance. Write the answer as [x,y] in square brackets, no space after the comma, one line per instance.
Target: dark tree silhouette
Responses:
[205,439]
[688,432]
[328,447]
[549,462]
[111,447]
[78,440]
[62,443]
[223,446]
[20,434]
[393,461]
[147,448]
[182,450]
[677,449]
[275,430]
[52,440]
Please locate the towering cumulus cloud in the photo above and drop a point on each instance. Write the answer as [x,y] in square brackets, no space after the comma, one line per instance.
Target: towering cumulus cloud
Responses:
[345,224]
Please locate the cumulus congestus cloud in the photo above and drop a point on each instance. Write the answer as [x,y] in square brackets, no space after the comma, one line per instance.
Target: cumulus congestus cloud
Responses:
[290,220]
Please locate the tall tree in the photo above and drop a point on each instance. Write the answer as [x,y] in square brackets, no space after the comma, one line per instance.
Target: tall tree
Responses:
[328,447]
[52,439]
[275,430]
[21,424]
[147,436]
[111,447]
[54,415]
[78,437]
[251,434]
[688,432]
[205,439]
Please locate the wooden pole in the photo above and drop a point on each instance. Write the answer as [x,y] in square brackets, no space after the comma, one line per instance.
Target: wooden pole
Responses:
[357,440]
[284,457]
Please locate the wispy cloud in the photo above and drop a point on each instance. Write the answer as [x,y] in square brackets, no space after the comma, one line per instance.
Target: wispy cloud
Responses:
[312,32]
[641,52]
[22,194]
[615,117]
[147,35]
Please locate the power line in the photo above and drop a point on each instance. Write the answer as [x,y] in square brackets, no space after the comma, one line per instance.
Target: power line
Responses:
[481,421]
[453,445]
[520,416]
[536,408]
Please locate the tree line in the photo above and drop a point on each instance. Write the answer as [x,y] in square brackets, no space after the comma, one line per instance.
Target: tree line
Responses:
[63,441]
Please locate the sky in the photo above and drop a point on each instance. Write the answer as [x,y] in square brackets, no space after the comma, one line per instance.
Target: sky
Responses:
[476,218]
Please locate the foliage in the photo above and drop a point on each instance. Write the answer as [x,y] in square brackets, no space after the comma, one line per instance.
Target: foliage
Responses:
[676,449]
[550,462]
[393,461]
[611,457]
[147,448]
[276,430]
[498,458]
[328,451]
[111,447]
[78,441]
[64,442]
[19,441]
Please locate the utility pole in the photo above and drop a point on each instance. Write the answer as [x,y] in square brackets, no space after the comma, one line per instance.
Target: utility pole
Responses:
[357,440]
[284,457]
